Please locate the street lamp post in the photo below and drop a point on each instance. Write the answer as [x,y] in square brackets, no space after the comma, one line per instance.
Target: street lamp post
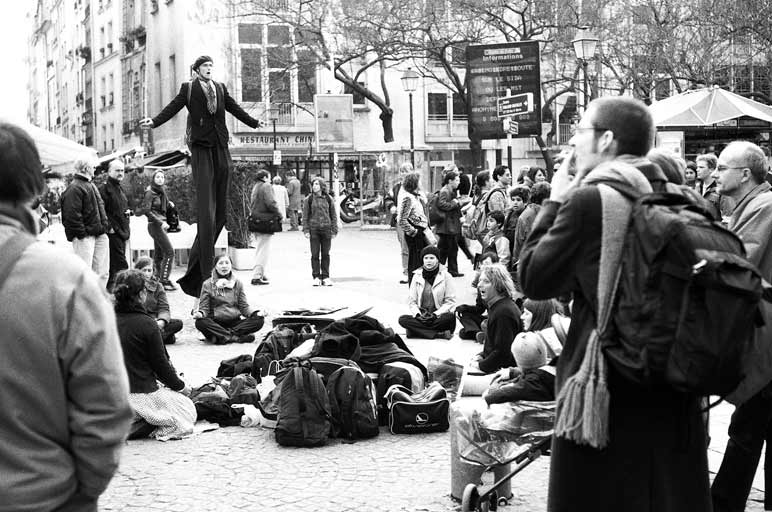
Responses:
[585,44]
[274,115]
[410,84]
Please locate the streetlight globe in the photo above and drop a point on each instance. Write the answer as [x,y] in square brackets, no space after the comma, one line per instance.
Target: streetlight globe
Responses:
[410,80]
[584,44]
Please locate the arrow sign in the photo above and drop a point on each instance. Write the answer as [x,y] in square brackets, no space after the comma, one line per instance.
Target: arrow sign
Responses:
[511,126]
[515,105]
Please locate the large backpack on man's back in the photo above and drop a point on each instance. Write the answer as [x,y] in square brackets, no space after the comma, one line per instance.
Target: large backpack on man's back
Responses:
[474,227]
[304,409]
[687,301]
[352,404]
[435,215]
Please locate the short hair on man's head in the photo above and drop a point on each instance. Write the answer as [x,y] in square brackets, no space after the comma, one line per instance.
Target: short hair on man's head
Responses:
[710,160]
[276,180]
[449,176]
[411,181]
[630,121]
[539,192]
[500,279]
[520,191]
[20,169]
[263,174]
[669,165]
[498,216]
[115,164]
[753,158]
[482,178]
[498,171]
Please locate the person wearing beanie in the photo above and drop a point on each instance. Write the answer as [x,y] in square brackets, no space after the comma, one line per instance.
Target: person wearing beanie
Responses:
[431,299]
[532,379]
[156,303]
[154,205]
[206,101]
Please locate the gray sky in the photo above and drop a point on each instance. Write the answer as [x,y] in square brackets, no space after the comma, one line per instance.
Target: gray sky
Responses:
[14,32]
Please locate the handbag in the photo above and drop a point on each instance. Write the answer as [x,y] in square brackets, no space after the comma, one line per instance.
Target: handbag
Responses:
[258,225]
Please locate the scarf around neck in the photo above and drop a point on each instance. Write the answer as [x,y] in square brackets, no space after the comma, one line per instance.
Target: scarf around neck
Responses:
[430,275]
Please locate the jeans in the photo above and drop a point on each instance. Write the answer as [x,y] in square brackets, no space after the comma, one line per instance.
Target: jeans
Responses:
[415,244]
[321,240]
[403,248]
[427,329]
[221,332]
[262,248]
[163,252]
[95,251]
[293,218]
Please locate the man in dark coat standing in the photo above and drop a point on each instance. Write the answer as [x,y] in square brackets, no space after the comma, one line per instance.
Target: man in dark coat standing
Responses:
[118,212]
[654,454]
[450,227]
[210,159]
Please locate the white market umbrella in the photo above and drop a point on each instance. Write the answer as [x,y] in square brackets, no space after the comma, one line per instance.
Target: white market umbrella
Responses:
[55,151]
[705,107]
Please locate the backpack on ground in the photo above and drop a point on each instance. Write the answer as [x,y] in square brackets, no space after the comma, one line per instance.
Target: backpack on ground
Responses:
[235,366]
[326,366]
[276,345]
[304,409]
[475,225]
[352,404]
[435,216]
[687,300]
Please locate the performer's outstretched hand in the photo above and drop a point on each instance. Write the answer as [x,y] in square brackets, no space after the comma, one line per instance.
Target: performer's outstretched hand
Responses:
[146,122]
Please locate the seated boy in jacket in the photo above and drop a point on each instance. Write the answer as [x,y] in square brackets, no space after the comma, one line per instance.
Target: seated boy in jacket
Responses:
[532,379]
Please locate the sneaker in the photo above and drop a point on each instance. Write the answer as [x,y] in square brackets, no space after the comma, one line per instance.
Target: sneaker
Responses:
[246,338]
[259,281]
[456,274]
[327,282]
[445,335]
[317,282]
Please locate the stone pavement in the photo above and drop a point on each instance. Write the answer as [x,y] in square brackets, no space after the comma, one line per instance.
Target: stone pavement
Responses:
[244,468]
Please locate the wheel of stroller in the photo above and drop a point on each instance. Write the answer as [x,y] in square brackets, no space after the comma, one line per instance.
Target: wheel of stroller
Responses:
[470,499]
[503,502]
[493,500]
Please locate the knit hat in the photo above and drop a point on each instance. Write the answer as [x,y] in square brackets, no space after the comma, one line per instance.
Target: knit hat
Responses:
[201,60]
[142,262]
[529,351]
[430,249]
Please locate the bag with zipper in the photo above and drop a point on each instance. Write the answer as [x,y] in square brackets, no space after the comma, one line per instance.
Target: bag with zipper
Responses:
[276,346]
[474,225]
[418,413]
[352,404]
[304,409]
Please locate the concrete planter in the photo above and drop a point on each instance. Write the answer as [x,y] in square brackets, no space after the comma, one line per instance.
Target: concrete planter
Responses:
[242,259]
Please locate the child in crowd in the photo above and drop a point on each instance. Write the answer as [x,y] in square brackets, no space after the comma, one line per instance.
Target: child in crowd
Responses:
[156,303]
[162,412]
[224,315]
[518,196]
[532,379]
[494,240]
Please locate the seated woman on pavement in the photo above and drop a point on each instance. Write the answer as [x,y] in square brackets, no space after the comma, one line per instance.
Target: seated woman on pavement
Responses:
[472,316]
[532,379]
[163,412]
[494,240]
[156,303]
[431,300]
[224,315]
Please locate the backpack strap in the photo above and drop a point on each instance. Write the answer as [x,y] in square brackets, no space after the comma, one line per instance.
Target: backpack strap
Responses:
[12,250]
[190,90]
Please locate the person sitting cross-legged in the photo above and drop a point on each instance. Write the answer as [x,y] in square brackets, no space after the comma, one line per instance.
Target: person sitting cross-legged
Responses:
[432,300]
[156,304]
[224,315]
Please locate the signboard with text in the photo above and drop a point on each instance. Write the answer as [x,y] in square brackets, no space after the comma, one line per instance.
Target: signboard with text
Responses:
[515,105]
[491,70]
[334,116]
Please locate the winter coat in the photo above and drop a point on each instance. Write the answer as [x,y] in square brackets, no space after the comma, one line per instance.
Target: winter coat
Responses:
[83,212]
[144,352]
[524,224]
[497,199]
[262,203]
[65,394]
[154,205]
[293,191]
[499,244]
[656,457]
[451,208]
[156,304]
[319,214]
[443,292]
[225,304]
[282,199]
[503,325]
[411,213]
[536,385]
[116,204]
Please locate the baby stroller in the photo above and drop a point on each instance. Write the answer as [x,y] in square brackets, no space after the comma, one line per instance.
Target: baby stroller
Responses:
[503,434]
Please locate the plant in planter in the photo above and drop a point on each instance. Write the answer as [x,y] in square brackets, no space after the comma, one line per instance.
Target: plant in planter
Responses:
[237,223]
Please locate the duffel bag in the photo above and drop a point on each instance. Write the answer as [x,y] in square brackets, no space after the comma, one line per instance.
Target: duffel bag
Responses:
[418,413]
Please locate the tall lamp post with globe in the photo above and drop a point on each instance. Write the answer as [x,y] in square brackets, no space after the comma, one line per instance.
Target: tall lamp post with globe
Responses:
[585,44]
[410,84]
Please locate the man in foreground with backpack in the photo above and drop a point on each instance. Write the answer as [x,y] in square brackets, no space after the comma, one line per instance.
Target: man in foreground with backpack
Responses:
[617,445]
[206,101]
[741,175]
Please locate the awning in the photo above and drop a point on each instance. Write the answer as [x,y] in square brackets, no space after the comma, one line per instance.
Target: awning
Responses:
[55,151]
[167,159]
[706,107]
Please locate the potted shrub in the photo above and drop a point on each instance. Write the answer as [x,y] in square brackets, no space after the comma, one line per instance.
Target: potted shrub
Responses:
[239,238]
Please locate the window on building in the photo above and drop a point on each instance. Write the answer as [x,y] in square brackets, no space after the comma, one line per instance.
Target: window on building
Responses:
[306,76]
[109,34]
[251,77]
[279,57]
[104,138]
[103,90]
[459,108]
[173,76]
[280,87]
[278,35]
[112,137]
[250,33]
[159,82]
[359,98]
[437,106]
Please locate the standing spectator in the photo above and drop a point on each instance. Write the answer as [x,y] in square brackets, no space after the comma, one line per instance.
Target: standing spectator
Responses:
[320,226]
[65,413]
[690,175]
[165,412]
[502,178]
[281,196]
[722,206]
[224,315]
[262,206]
[295,198]
[85,221]
[396,192]
[539,193]
[740,175]
[156,304]
[431,300]
[518,198]
[118,213]
[413,220]
[154,206]
[539,175]
[206,101]
[450,227]
[464,193]
[617,461]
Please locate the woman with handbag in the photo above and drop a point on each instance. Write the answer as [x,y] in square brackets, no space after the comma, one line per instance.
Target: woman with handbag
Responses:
[414,222]
[264,221]
[320,226]
[154,206]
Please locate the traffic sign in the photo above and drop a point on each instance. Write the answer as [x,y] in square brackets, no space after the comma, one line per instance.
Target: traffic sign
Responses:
[277,157]
[515,105]
[511,127]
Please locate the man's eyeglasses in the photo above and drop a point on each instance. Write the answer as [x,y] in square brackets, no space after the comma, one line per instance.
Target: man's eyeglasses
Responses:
[722,168]
[593,128]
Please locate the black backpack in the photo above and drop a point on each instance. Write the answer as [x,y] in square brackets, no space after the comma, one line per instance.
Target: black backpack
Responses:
[687,301]
[276,346]
[304,409]
[352,404]
[435,216]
